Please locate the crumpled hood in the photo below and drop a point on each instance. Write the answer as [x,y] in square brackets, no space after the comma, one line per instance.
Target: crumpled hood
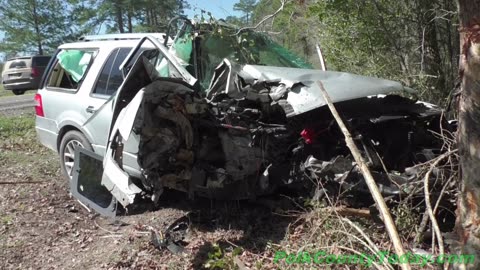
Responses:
[305,95]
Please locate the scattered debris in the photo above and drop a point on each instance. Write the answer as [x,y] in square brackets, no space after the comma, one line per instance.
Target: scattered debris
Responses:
[173,237]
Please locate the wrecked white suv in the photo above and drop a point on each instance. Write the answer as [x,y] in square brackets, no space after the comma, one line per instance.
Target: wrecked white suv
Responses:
[230,114]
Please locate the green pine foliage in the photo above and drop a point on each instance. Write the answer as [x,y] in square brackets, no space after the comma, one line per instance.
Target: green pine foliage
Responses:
[40,26]
[412,41]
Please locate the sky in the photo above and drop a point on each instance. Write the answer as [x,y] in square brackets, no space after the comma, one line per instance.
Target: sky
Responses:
[220,9]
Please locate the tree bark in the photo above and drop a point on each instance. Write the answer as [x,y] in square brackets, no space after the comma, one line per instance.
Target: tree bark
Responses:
[119,16]
[130,16]
[468,211]
[38,35]
[130,25]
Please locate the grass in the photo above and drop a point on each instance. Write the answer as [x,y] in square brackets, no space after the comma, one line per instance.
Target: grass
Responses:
[8,93]
[20,151]
[17,126]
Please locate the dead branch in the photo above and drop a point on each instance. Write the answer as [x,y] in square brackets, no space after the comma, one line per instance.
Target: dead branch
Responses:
[377,266]
[442,192]
[421,228]
[264,19]
[433,220]
[105,230]
[365,236]
[362,233]
[349,235]
[345,211]
[372,186]
[22,182]
[239,263]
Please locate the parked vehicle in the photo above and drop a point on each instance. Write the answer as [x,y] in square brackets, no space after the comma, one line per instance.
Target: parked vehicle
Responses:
[24,73]
[219,113]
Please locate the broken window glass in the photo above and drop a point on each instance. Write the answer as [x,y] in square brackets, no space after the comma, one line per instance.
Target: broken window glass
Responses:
[183,46]
[75,62]
[69,68]
[246,48]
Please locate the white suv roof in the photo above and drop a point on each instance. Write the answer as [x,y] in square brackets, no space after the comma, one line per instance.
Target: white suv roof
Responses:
[125,36]
[97,44]
[127,40]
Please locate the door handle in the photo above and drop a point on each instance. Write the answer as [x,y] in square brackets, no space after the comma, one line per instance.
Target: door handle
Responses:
[90,109]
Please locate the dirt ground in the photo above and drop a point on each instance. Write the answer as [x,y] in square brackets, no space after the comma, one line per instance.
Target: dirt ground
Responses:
[43,227]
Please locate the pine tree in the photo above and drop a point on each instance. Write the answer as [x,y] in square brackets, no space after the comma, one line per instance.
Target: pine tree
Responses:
[33,26]
[247,7]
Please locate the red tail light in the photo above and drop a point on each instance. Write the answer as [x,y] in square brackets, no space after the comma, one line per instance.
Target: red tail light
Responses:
[35,72]
[308,135]
[38,105]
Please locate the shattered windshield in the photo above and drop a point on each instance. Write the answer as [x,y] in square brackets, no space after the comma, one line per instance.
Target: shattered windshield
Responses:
[247,47]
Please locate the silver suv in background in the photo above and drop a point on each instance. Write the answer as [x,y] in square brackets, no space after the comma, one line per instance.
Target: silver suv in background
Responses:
[24,73]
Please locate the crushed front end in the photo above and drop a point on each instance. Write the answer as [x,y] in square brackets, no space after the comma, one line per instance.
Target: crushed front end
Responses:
[246,138]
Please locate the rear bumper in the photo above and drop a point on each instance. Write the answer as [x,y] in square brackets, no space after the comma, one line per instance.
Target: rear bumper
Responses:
[47,137]
[28,84]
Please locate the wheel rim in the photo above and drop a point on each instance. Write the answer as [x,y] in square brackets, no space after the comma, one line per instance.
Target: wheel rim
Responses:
[69,155]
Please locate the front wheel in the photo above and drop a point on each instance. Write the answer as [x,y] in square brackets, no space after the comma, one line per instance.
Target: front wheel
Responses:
[18,92]
[70,141]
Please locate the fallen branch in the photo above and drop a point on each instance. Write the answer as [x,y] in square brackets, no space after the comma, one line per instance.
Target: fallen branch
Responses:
[421,228]
[433,220]
[22,182]
[372,186]
[239,263]
[105,230]
[345,211]
[362,233]
[264,19]
[353,251]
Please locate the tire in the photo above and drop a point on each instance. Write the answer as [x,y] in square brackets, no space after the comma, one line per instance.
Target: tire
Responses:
[70,141]
[18,92]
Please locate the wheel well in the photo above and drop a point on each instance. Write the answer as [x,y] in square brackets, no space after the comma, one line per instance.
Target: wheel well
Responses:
[62,133]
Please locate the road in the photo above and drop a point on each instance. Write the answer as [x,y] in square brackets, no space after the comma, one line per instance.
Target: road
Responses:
[16,102]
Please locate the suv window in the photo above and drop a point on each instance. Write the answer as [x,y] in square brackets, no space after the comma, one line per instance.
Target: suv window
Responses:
[70,67]
[111,77]
[18,64]
[40,61]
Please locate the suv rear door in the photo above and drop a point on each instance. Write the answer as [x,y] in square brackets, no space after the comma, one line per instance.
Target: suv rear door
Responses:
[66,89]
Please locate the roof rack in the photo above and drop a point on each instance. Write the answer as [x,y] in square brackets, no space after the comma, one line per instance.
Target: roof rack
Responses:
[125,36]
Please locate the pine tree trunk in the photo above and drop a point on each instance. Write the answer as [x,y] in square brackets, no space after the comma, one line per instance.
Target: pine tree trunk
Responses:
[468,212]
[130,25]
[38,35]
[119,16]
